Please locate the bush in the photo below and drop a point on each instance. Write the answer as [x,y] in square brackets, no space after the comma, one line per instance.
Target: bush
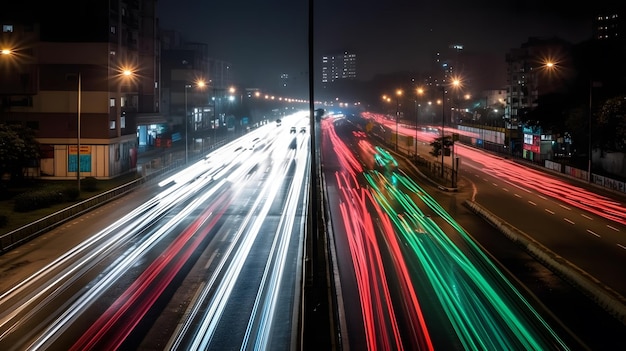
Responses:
[89,184]
[34,200]
[71,193]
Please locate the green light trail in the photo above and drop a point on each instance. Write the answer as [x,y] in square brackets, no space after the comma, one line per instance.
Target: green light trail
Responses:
[486,311]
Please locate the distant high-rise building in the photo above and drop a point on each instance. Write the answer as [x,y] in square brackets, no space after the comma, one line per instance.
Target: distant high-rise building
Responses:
[338,67]
[609,25]
[284,79]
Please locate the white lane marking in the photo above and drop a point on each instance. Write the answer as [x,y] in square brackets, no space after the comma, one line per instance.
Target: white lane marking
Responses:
[615,229]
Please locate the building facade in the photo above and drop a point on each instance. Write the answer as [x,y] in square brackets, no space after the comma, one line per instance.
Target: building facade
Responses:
[82,80]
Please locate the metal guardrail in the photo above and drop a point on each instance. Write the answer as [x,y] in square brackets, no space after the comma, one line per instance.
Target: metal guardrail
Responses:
[30,231]
[21,235]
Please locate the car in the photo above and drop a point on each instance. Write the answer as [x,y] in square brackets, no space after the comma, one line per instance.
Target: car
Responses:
[302,129]
[292,130]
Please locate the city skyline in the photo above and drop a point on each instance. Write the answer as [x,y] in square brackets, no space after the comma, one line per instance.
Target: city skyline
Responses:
[265,40]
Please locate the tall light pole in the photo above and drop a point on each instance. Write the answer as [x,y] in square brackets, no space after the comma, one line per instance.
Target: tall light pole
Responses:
[398,94]
[187,86]
[592,85]
[443,120]
[420,91]
[78,133]
[199,84]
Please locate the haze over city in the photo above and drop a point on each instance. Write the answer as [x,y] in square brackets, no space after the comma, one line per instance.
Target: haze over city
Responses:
[448,176]
[264,39]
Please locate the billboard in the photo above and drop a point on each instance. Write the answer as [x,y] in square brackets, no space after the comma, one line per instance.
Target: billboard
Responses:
[85,158]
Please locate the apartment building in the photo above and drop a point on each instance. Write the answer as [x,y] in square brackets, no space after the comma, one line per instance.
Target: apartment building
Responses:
[83,79]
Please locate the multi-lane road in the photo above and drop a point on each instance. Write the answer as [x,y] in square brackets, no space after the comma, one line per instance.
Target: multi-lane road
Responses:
[212,256]
[572,224]
[209,258]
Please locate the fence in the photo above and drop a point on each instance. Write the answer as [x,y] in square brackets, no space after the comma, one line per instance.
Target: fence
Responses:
[155,168]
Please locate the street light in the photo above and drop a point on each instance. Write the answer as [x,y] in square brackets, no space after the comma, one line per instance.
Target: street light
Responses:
[420,91]
[78,133]
[125,73]
[455,83]
[199,84]
[398,94]
[443,120]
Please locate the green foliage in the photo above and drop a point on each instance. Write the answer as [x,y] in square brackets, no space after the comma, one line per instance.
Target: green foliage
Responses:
[33,200]
[89,184]
[611,121]
[43,198]
[71,193]
[18,149]
[436,145]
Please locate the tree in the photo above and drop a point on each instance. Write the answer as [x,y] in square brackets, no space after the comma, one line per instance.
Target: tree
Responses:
[611,122]
[577,125]
[436,145]
[18,150]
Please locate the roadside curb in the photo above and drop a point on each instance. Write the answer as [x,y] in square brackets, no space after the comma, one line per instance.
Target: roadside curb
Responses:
[604,296]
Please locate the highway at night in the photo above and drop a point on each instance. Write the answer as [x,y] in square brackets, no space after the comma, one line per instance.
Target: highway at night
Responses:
[567,223]
[207,259]
[422,283]
[212,257]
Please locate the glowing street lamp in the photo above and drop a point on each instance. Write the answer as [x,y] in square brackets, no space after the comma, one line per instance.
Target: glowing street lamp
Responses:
[126,74]
[398,94]
[199,84]
[420,91]
[443,120]
[455,83]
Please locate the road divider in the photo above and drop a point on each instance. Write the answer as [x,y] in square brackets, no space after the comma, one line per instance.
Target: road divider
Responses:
[603,295]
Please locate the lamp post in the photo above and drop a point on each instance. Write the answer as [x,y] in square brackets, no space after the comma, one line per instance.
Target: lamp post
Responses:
[200,84]
[78,133]
[187,86]
[420,91]
[398,94]
[443,120]
[592,85]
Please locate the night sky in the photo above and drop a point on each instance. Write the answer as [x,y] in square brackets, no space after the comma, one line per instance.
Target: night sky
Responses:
[263,39]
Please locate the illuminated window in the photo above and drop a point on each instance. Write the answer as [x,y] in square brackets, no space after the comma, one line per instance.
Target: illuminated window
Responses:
[112,102]
[111,124]
[7,28]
